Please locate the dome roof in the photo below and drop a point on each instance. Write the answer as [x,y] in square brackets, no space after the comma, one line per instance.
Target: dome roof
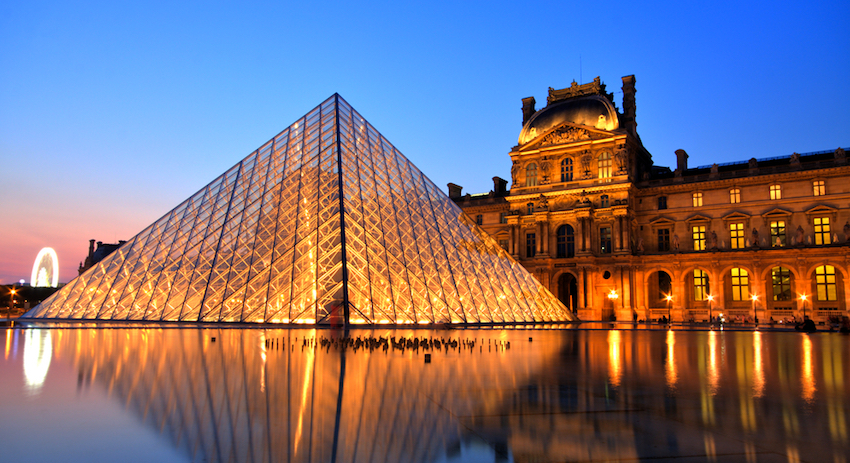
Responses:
[592,110]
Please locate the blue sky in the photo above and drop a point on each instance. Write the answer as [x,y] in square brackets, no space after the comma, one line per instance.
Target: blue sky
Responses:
[111,113]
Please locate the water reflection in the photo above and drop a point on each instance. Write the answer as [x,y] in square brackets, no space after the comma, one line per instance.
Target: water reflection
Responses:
[37,352]
[274,395]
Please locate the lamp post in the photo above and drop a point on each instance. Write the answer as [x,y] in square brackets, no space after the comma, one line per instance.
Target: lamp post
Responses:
[710,298]
[612,295]
[12,306]
[669,298]
[755,299]
[803,298]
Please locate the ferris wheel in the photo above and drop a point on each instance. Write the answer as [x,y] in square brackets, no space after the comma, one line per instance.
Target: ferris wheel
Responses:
[45,271]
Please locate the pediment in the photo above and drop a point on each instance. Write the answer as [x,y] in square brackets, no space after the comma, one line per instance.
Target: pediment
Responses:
[661,221]
[777,212]
[822,210]
[736,216]
[698,218]
[566,133]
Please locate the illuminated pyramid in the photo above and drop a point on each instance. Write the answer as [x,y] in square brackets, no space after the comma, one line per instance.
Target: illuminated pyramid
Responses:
[326,223]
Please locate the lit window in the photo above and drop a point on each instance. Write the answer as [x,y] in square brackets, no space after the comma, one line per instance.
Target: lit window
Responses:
[503,244]
[740,284]
[699,237]
[822,235]
[503,217]
[530,244]
[781,277]
[479,219]
[530,207]
[662,202]
[775,192]
[565,240]
[700,285]
[825,280]
[735,195]
[567,170]
[531,175]
[663,240]
[819,187]
[777,233]
[605,240]
[605,165]
[603,201]
[736,235]
[697,199]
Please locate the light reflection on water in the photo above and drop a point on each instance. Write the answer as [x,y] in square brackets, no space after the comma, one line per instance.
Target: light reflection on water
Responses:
[275,395]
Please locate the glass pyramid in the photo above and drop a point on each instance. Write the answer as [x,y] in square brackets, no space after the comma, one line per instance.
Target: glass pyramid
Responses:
[326,223]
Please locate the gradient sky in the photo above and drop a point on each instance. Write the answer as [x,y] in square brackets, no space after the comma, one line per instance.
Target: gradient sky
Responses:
[112,113]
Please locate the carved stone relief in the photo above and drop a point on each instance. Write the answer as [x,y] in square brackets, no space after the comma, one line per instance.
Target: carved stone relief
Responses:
[565,135]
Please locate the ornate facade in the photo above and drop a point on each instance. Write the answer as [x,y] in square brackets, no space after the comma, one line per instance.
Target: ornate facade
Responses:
[614,235]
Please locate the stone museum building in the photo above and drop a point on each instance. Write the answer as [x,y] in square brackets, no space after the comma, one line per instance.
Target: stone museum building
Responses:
[611,234]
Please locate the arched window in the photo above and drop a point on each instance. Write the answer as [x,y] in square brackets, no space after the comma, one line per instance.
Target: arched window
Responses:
[531,175]
[566,241]
[781,278]
[701,287]
[567,170]
[605,164]
[825,281]
[740,284]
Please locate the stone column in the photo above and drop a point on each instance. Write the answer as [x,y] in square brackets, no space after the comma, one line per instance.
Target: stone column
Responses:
[538,232]
[616,234]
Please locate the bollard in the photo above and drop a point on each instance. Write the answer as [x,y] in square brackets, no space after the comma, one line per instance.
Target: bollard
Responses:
[427,358]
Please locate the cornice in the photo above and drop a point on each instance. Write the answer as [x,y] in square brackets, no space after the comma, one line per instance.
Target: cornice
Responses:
[750,180]
[607,188]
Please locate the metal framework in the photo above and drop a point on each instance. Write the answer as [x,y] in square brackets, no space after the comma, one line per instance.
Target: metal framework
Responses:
[325,223]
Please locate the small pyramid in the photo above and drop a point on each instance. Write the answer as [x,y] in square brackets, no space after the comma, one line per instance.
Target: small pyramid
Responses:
[326,223]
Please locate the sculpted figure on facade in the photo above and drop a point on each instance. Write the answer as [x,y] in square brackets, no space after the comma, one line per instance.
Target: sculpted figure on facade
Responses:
[798,237]
[586,160]
[565,135]
[675,242]
[795,159]
[514,172]
[621,159]
[545,167]
[712,240]
[840,156]
[846,231]
[755,238]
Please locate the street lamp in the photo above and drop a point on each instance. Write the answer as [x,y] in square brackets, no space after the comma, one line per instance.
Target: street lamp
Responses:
[755,299]
[669,298]
[803,298]
[612,295]
[710,298]
[12,298]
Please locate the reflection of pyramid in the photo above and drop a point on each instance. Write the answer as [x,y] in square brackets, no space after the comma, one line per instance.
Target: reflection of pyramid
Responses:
[325,223]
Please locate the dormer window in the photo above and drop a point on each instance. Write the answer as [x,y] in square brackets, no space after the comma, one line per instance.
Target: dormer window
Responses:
[531,175]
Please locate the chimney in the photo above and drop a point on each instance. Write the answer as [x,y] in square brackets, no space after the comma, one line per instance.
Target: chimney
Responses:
[91,249]
[500,186]
[527,109]
[681,161]
[455,191]
[629,106]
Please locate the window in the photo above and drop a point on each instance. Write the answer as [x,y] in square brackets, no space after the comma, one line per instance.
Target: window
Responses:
[605,165]
[603,201]
[479,219]
[736,235]
[503,217]
[530,207]
[565,242]
[781,277]
[567,170]
[530,244]
[662,202]
[531,175]
[700,285]
[819,187]
[503,244]
[775,192]
[740,284]
[822,230]
[605,240]
[699,237]
[825,281]
[735,195]
[697,199]
[777,233]
[663,240]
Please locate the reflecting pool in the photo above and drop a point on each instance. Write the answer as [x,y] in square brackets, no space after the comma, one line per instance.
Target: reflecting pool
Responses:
[208,394]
